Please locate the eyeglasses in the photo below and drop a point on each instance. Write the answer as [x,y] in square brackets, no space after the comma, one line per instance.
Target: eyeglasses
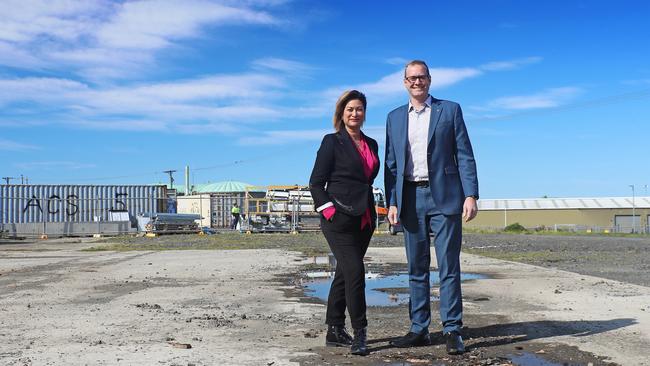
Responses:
[413,79]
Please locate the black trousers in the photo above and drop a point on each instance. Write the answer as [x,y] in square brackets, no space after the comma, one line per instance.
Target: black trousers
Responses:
[349,245]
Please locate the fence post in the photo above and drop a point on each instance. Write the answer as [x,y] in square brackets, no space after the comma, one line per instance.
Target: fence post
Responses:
[43,216]
[293,214]
[99,218]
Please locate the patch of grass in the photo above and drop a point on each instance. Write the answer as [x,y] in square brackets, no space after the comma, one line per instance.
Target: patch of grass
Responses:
[307,243]
[515,228]
[472,230]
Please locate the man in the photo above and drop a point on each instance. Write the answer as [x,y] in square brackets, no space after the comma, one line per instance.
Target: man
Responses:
[235,216]
[430,179]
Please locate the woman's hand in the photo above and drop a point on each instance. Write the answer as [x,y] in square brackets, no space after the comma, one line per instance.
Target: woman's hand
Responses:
[329,212]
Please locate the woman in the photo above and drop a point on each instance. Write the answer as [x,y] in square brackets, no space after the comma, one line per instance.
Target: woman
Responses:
[341,185]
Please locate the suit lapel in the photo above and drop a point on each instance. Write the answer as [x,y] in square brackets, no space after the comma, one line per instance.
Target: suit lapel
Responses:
[350,149]
[436,111]
[403,128]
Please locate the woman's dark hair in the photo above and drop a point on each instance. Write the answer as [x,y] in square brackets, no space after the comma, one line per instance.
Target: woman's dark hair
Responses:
[344,99]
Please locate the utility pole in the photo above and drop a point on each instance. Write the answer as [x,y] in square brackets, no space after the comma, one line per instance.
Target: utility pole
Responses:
[171,178]
[7,179]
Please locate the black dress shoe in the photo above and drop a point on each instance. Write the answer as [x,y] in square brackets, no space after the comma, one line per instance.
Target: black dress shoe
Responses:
[359,343]
[455,344]
[411,340]
[337,336]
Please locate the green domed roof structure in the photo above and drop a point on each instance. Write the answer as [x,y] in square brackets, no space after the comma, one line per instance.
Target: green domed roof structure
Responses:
[222,187]
[229,186]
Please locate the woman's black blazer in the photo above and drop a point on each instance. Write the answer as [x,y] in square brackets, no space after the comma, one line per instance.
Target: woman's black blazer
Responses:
[338,175]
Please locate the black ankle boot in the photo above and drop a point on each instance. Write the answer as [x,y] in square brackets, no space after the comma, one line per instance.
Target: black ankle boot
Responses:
[337,336]
[359,343]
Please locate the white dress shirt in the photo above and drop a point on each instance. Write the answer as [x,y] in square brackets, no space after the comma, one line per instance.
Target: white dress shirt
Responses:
[416,168]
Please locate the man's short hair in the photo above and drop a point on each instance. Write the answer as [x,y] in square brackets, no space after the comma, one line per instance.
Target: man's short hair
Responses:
[416,62]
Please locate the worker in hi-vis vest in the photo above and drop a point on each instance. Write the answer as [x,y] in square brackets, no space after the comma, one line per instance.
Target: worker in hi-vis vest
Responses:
[235,211]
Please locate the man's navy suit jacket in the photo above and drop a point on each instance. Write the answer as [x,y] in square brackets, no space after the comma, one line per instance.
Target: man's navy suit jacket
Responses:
[450,159]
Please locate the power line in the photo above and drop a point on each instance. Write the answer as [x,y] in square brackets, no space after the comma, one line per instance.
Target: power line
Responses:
[222,165]
[244,161]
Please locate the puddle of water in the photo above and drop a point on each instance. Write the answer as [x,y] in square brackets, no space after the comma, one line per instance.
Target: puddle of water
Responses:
[529,359]
[381,290]
[328,259]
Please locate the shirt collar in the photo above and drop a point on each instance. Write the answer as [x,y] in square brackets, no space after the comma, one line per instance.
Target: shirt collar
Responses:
[427,103]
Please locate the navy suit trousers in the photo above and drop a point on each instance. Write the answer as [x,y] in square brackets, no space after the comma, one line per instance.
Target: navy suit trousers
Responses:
[419,215]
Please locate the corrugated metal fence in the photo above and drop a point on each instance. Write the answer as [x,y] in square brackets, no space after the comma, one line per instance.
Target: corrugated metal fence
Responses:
[31,204]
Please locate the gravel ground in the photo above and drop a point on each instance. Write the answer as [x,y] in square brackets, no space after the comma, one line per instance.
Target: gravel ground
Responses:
[520,311]
[616,258]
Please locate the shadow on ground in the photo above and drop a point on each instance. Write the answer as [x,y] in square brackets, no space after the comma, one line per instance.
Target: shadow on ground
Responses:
[494,341]
[535,330]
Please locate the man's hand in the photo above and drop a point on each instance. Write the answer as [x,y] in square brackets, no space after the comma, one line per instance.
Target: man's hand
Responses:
[470,209]
[392,215]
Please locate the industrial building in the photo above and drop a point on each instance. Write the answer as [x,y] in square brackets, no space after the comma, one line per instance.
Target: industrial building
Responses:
[596,214]
[213,201]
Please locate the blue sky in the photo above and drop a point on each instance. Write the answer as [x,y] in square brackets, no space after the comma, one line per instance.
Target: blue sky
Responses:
[556,94]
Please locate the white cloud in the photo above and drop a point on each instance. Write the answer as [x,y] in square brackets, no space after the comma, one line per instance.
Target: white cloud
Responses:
[251,86]
[222,103]
[509,65]
[283,137]
[108,40]
[210,127]
[122,125]
[288,137]
[153,24]
[24,21]
[54,165]
[15,146]
[283,65]
[12,56]
[388,85]
[43,90]
[399,61]
[376,132]
[546,99]
[443,77]
[243,98]
[392,85]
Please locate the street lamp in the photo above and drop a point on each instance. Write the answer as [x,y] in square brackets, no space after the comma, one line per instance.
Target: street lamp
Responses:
[633,209]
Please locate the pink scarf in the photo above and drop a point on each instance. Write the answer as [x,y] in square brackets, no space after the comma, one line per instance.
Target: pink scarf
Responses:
[370,162]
